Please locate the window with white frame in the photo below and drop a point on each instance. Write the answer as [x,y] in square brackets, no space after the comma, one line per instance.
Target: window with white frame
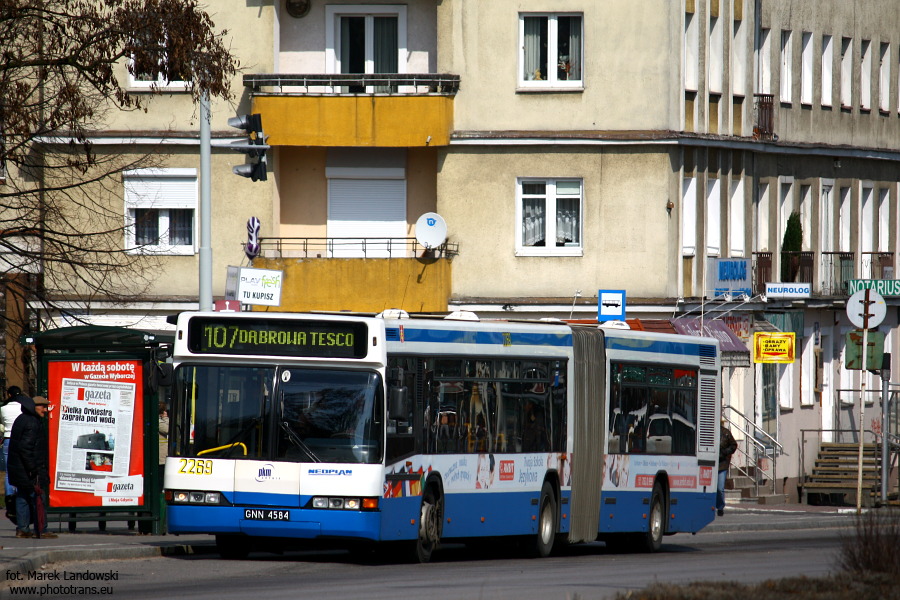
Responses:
[787,60]
[739,51]
[713,216]
[716,55]
[806,68]
[827,69]
[736,216]
[846,72]
[549,213]
[160,211]
[884,77]
[865,75]
[365,38]
[689,216]
[158,70]
[765,61]
[551,50]
[691,52]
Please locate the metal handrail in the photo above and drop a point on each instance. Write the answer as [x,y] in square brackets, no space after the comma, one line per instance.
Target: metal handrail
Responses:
[751,437]
[352,247]
[442,84]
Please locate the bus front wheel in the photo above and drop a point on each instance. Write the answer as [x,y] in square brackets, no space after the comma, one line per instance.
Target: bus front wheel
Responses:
[546,533]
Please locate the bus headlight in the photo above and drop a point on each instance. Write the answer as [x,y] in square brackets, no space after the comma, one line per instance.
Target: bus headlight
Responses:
[343,503]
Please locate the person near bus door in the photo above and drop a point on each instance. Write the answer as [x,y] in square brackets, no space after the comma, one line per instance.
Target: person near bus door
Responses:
[727,447]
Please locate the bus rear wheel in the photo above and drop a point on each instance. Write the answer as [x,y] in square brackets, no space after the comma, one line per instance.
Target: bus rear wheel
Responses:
[546,533]
[431,521]
[651,540]
[233,547]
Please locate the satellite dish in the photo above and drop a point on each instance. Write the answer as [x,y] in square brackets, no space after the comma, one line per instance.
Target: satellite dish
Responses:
[431,230]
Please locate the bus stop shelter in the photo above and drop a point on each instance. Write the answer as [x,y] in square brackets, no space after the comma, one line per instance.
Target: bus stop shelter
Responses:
[104,386]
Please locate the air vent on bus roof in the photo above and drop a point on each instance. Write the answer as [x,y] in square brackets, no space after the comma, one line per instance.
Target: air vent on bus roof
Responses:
[707,355]
[392,334]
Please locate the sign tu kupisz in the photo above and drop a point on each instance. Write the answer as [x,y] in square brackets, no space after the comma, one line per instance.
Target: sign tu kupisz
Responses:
[259,286]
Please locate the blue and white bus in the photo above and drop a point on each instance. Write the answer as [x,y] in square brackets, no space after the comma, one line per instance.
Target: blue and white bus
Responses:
[349,430]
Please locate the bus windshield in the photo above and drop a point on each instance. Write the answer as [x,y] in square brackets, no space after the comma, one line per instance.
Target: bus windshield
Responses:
[288,414]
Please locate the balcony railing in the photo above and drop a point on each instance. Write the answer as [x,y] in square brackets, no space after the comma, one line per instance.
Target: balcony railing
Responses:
[418,84]
[877,265]
[836,272]
[764,129]
[353,248]
[797,267]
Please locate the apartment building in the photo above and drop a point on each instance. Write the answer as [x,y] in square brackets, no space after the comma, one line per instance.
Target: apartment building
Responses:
[654,147]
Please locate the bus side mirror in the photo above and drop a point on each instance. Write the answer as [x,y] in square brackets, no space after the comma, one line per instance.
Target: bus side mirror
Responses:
[159,375]
[398,403]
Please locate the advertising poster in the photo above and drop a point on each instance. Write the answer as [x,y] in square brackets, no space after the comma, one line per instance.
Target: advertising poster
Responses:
[96,432]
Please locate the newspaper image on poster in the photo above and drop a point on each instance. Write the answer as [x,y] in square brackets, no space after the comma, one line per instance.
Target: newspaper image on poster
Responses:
[95,428]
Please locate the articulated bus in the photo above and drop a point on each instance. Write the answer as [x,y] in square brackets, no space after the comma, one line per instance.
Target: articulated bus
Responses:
[355,430]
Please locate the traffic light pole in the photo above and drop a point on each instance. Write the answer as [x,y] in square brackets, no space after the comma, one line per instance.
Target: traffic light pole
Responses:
[205,206]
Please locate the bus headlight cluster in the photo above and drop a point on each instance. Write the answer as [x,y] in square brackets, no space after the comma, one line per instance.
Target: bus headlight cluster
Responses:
[193,497]
[342,503]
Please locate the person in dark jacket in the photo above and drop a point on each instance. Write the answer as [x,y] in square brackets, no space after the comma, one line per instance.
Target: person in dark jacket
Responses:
[29,463]
[727,447]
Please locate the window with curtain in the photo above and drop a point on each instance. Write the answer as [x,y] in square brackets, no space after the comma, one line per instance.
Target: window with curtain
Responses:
[369,39]
[551,50]
[160,208]
[550,217]
[156,69]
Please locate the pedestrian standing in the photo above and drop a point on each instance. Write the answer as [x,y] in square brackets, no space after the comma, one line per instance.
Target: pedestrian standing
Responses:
[29,466]
[9,412]
[727,447]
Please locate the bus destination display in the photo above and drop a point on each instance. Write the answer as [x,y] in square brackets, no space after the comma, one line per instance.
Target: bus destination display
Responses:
[278,337]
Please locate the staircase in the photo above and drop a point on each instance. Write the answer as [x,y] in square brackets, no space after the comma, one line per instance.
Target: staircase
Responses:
[751,479]
[834,478]
[749,485]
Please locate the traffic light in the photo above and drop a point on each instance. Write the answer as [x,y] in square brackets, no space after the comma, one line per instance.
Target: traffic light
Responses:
[255,147]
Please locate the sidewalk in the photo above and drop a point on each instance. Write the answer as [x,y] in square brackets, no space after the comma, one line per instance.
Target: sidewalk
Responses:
[118,542]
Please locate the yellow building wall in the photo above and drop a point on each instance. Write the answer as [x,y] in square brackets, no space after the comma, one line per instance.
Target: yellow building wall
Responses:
[361,284]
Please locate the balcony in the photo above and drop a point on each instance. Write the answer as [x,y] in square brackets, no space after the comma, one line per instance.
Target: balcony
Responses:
[355,110]
[796,267]
[837,271]
[359,274]
[764,129]
[877,265]
[352,248]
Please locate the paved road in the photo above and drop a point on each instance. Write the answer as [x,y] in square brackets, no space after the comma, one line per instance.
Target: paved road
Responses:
[117,542]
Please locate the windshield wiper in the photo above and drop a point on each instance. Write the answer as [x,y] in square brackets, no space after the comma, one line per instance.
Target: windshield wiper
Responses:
[292,435]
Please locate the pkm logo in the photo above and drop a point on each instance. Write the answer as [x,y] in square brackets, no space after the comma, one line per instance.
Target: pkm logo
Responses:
[266,473]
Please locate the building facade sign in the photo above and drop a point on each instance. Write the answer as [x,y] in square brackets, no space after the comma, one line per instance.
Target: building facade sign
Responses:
[885,287]
[730,276]
[788,290]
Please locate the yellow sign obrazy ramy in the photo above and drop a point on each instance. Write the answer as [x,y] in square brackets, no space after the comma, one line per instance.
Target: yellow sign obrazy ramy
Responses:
[773,347]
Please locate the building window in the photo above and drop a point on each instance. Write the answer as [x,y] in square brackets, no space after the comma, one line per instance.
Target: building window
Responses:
[806,69]
[552,50]
[158,70]
[827,69]
[865,75]
[549,213]
[787,60]
[160,209]
[846,72]
[884,78]
[765,61]
[365,39]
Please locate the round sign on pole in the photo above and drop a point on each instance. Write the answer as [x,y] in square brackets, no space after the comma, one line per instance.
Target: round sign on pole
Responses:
[866,303]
